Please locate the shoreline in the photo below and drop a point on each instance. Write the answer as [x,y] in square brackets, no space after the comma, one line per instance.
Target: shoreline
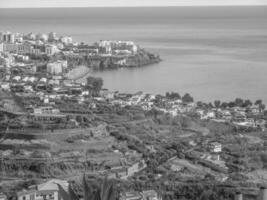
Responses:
[78,73]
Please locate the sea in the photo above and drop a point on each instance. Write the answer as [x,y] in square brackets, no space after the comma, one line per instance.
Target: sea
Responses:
[210,52]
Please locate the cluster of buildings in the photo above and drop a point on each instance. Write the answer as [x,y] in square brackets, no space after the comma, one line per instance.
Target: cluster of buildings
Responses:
[21,70]
[117,47]
[26,78]
[50,190]
[125,171]
[31,44]
[16,47]
[144,195]
[50,44]
[245,118]
[46,190]
[149,102]
[207,154]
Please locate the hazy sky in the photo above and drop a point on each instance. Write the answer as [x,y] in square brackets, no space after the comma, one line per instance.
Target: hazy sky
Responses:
[115,3]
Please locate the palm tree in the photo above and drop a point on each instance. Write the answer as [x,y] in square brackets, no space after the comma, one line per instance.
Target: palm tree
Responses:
[5,133]
[104,191]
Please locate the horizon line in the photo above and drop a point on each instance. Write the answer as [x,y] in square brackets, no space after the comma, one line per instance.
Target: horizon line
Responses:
[157,6]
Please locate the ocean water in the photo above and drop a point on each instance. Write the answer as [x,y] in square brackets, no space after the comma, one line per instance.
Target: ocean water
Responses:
[210,52]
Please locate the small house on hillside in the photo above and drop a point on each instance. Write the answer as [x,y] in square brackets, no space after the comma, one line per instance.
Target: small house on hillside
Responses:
[215,147]
[48,190]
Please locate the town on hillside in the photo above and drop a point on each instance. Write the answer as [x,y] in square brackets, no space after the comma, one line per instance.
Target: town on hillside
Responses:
[61,138]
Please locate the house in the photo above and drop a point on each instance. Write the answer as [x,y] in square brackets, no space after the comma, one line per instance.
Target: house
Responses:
[200,112]
[16,78]
[28,88]
[53,82]
[208,115]
[56,68]
[136,167]
[43,80]
[26,79]
[107,94]
[215,147]
[239,117]
[176,168]
[131,196]
[24,48]
[151,195]
[51,49]
[254,109]
[32,79]
[66,39]
[5,86]
[45,191]
[45,110]
[145,195]
[226,114]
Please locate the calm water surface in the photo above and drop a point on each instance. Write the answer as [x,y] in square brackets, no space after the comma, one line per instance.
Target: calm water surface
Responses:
[212,53]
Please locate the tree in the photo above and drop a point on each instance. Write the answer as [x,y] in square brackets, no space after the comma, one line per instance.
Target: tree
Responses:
[258,102]
[224,105]
[247,103]
[4,136]
[200,104]
[94,85]
[260,105]
[217,103]
[187,98]
[173,95]
[231,104]
[239,102]
[154,113]
[210,105]
[104,191]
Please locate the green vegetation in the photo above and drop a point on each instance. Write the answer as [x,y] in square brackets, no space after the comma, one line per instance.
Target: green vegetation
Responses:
[94,85]
[105,190]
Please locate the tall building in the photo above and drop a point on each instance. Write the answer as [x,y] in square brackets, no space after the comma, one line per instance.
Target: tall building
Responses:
[1,47]
[1,36]
[51,50]
[8,37]
[24,48]
[56,68]
[10,48]
[52,36]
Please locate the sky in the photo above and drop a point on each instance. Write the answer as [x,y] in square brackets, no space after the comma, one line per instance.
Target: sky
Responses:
[123,3]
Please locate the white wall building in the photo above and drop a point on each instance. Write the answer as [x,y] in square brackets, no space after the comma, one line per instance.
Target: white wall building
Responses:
[215,147]
[66,40]
[57,68]
[52,36]
[8,37]
[48,190]
[1,47]
[51,49]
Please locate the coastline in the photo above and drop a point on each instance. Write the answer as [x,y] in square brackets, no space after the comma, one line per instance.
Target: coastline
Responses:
[78,73]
